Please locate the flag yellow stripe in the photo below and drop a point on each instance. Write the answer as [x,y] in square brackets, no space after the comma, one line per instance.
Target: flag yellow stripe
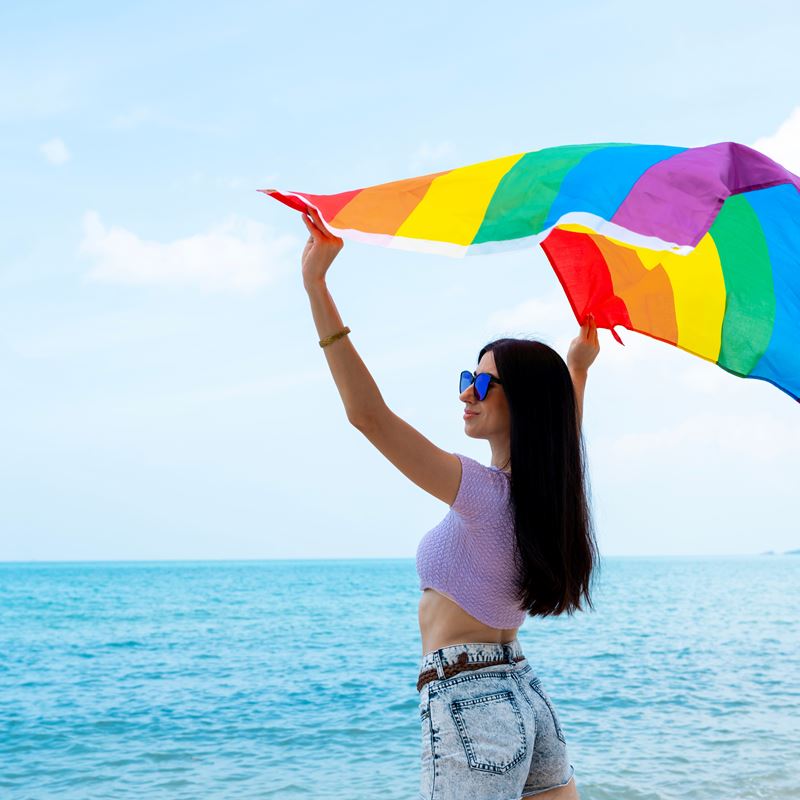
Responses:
[698,289]
[455,204]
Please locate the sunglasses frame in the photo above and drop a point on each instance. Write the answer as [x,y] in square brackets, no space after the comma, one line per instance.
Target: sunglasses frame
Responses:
[474,381]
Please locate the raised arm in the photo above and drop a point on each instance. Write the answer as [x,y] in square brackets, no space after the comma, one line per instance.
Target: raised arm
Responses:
[436,471]
[582,352]
[579,383]
[359,392]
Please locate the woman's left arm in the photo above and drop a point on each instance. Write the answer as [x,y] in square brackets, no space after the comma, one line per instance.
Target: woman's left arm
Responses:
[579,384]
[582,352]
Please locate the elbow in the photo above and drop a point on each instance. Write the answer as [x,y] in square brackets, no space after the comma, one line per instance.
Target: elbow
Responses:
[369,416]
[359,422]
[367,420]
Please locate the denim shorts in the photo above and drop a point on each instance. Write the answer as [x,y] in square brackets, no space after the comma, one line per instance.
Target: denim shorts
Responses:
[490,733]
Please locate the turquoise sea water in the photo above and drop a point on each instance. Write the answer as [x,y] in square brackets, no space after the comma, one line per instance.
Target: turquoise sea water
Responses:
[296,679]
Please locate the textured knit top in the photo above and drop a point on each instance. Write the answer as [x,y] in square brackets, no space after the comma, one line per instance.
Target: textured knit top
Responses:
[471,555]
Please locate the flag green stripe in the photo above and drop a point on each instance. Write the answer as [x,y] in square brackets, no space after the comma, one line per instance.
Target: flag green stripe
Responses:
[750,297]
[523,198]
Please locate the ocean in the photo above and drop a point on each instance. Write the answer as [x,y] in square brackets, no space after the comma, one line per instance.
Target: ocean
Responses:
[296,679]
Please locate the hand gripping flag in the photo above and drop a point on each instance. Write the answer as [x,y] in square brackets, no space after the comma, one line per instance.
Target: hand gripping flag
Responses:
[698,247]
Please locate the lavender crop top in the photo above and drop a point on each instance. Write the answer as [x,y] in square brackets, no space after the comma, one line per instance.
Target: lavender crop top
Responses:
[471,555]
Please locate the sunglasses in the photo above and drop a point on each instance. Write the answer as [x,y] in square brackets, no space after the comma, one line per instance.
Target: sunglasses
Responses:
[482,381]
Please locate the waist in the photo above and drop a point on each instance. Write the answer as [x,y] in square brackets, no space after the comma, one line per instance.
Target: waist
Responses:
[443,622]
[445,662]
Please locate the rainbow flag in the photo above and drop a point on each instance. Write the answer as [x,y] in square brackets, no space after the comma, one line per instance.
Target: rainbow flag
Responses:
[698,247]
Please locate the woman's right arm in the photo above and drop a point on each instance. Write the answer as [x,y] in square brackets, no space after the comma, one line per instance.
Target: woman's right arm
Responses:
[357,388]
[360,394]
[436,471]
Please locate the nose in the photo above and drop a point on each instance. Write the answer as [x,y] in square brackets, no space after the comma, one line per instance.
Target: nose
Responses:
[469,394]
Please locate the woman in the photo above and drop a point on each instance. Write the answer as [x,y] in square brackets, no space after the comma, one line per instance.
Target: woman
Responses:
[507,548]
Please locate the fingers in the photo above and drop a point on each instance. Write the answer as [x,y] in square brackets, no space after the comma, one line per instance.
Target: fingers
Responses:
[591,333]
[589,330]
[318,230]
[312,228]
[320,225]
[318,234]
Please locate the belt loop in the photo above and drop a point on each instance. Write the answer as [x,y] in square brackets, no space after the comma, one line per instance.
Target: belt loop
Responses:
[437,662]
[508,653]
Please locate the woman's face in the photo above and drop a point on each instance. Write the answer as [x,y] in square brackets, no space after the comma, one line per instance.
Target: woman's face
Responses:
[491,418]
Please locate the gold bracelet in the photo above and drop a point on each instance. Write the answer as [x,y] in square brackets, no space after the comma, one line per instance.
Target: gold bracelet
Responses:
[333,337]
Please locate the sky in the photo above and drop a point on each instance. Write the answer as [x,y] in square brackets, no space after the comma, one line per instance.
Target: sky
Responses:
[162,391]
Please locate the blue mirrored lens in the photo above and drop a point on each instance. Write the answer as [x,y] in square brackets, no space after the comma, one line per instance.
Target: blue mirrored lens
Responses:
[465,381]
[482,384]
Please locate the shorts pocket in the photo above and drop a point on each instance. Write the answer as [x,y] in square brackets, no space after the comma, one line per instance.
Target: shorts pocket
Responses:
[537,687]
[492,731]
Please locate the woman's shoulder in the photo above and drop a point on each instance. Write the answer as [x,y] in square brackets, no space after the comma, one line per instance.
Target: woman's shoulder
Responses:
[480,488]
[477,467]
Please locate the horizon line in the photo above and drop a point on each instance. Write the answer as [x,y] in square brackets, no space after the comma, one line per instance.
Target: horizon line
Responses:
[359,558]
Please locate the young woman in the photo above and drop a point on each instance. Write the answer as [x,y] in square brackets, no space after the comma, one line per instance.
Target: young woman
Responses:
[510,546]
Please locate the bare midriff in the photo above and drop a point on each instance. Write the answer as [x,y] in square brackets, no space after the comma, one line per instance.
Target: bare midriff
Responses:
[443,622]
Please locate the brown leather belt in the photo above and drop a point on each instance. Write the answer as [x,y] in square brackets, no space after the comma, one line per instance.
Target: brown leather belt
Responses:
[428,675]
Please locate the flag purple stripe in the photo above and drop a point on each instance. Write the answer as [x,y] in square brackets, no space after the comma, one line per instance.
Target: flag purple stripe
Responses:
[678,199]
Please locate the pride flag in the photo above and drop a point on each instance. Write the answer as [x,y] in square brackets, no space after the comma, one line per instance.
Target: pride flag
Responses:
[698,247]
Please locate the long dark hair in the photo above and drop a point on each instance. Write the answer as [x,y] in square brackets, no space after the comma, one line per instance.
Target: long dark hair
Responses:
[549,484]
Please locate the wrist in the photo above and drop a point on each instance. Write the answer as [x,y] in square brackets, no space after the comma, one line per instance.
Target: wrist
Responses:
[579,372]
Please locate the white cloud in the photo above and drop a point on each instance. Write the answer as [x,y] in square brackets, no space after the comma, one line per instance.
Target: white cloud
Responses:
[238,255]
[55,151]
[431,156]
[532,316]
[784,145]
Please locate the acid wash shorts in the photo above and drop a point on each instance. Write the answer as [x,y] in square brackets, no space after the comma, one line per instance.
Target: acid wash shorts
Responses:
[489,733]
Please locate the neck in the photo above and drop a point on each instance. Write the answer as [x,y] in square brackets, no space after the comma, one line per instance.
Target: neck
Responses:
[501,455]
